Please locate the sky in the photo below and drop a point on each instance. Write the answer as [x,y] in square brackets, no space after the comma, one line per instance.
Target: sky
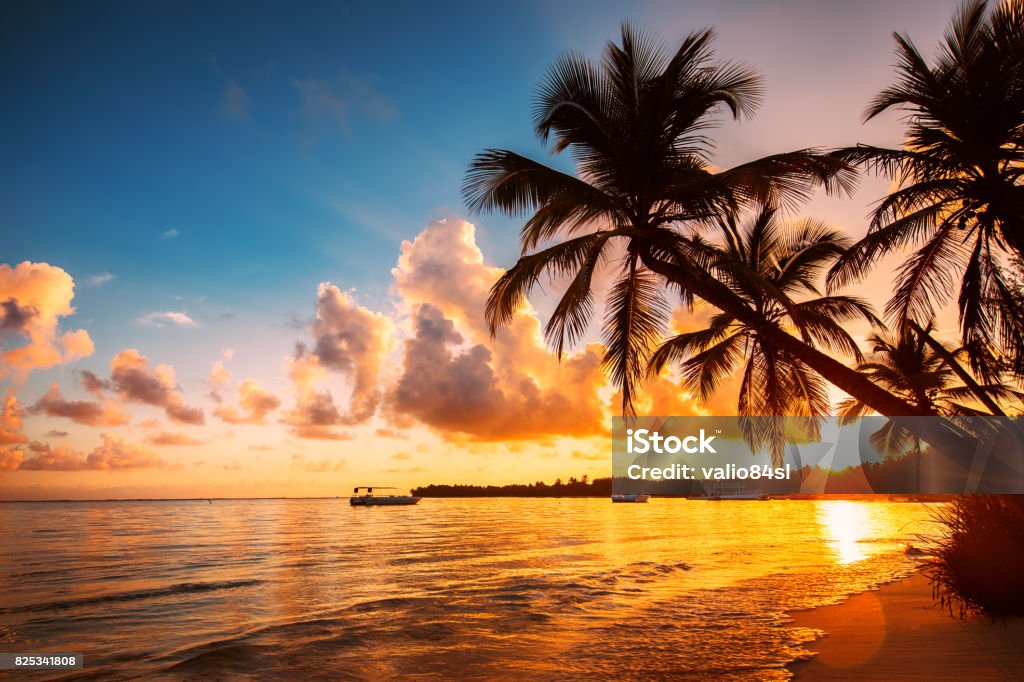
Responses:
[235,258]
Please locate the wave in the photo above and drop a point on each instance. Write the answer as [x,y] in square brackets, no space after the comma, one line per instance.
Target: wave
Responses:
[134,595]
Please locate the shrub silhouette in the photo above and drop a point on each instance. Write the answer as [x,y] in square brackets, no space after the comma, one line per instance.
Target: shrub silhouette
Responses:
[979,560]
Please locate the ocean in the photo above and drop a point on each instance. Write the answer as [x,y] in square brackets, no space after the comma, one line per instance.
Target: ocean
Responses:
[467,588]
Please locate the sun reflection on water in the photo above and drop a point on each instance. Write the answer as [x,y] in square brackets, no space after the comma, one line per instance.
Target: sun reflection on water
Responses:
[495,588]
[846,525]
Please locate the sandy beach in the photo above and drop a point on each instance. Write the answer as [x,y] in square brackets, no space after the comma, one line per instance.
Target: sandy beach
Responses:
[897,633]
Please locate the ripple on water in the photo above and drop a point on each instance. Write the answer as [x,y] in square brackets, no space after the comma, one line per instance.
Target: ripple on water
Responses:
[263,588]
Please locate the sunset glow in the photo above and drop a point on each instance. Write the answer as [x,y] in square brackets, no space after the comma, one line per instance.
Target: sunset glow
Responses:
[288,299]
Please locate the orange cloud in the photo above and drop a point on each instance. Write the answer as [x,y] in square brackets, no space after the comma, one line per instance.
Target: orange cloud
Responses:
[315,416]
[305,371]
[33,298]
[456,380]
[452,378]
[255,404]
[61,458]
[53,404]
[134,381]
[10,459]
[113,454]
[347,339]
[353,341]
[164,438]
[663,397]
[118,453]
[10,422]
[444,266]
[219,374]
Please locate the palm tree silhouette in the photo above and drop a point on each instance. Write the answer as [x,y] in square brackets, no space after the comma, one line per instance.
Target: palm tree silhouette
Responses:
[959,198]
[637,127]
[787,260]
[912,367]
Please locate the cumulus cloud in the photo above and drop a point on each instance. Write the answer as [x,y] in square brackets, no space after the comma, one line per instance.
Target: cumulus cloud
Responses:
[10,422]
[170,234]
[113,454]
[92,383]
[254,402]
[440,386]
[61,458]
[349,340]
[134,381]
[14,317]
[164,318]
[33,298]
[444,266]
[118,453]
[451,376]
[54,404]
[459,391]
[315,416]
[304,370]
[219,374]
[458,381]
[220,377]
[10,459]
[353,341]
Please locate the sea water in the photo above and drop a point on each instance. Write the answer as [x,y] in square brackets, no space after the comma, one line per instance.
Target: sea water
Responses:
[478,588]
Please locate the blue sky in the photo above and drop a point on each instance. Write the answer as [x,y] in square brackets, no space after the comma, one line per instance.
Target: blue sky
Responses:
[352,133]
[291,145]
[223,158]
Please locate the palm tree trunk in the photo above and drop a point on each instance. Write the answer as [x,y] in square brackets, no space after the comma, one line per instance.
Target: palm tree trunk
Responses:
[938,434]
[958,369]
[849,380]
[1015,431]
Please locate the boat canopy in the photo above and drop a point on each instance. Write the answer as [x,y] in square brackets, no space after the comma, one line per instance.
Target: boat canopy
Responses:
[375,490]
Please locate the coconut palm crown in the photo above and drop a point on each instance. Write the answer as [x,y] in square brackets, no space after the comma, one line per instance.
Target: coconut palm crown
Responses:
[637,125]
[911,365]
[959,200]
[788,261]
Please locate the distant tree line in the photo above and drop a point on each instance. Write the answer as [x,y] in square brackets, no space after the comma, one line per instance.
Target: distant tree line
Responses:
[895,475]
[582,487]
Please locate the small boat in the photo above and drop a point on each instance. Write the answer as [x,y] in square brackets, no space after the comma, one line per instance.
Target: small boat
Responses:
[380,496]
[716,491]
[632,497]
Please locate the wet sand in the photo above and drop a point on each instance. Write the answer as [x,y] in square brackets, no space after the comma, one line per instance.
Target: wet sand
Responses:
[898,633]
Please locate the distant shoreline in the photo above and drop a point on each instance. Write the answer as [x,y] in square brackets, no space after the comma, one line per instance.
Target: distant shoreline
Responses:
[868,497]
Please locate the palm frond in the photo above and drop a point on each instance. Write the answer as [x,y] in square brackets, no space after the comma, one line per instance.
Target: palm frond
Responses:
[571,317]
[500,180]
[859,259]
[927,276]
[509,293]
[635,320]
